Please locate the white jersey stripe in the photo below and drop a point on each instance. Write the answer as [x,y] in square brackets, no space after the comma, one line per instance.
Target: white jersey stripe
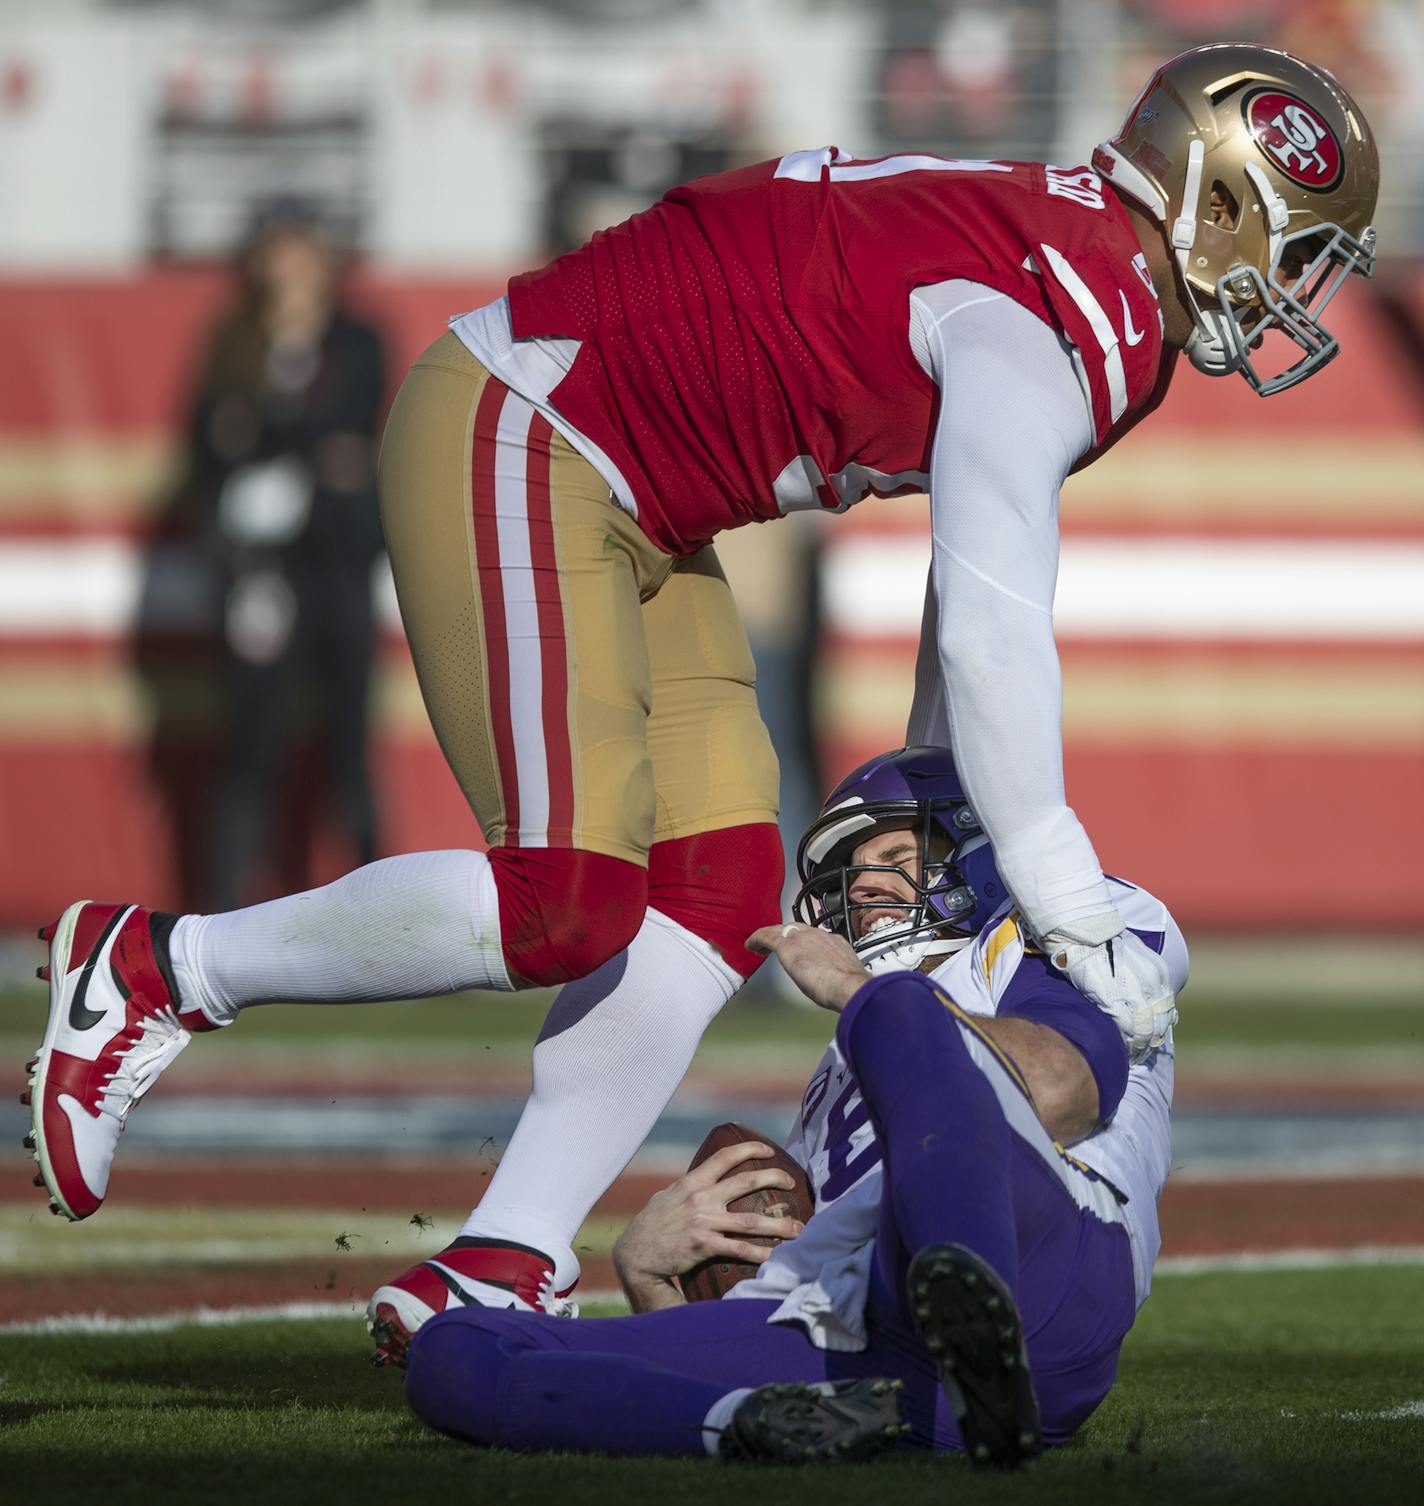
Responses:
[521,620]
[534,368]
[1102,327]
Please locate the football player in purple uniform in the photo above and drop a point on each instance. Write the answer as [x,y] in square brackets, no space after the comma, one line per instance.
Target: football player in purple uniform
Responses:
[956,1248]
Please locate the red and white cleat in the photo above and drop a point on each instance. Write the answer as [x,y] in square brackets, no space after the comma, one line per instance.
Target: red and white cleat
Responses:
[469,1273]
[114,1024]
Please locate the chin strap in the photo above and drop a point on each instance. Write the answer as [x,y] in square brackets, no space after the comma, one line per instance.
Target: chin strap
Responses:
[909,954]
[1184,227]
[1209,347]
[1274,206]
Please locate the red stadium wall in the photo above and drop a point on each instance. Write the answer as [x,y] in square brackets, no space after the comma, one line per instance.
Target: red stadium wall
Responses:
[1252,777]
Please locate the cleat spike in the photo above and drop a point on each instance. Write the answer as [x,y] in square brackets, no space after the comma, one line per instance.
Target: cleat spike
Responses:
[30,1066]
[25,1096]
[973,1333]
[38,1179]
[42,973]
[46,933]
[29,1141]
[54,1206]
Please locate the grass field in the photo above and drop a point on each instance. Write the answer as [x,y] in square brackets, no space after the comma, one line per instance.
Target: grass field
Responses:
[1289,1387]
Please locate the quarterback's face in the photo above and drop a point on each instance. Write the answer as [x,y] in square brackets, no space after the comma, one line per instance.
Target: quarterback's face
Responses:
[888,894]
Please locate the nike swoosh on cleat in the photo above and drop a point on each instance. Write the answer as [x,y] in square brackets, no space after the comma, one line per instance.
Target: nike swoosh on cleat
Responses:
[466,1299]
[1129,333]
[81,1018]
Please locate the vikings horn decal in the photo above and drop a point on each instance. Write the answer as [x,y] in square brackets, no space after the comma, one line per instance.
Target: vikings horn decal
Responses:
[1297,141]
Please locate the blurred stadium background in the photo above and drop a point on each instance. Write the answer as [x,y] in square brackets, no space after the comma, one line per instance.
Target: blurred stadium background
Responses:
[1241,604]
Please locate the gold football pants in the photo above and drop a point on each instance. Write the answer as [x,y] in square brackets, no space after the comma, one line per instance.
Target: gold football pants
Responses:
[588,690]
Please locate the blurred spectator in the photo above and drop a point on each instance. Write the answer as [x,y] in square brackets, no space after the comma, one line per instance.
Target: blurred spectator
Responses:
[968,78]
[283,444]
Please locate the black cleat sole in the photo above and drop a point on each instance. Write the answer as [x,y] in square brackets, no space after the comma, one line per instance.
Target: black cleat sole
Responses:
[798,1423]
[969,1323]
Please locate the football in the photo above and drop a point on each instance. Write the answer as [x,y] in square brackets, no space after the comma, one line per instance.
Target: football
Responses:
[714,1278]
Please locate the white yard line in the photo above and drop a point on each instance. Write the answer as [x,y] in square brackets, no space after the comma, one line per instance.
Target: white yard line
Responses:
[1379,1161]
[1408,1411]
[211,1317]
[1289,1260]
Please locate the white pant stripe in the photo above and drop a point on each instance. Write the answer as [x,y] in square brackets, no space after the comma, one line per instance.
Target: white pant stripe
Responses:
[1087,1192]
[521,620]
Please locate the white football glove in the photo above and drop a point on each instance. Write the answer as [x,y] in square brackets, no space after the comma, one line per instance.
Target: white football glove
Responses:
[1123,976]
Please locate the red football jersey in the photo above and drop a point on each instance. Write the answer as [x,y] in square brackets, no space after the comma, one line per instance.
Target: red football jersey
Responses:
[746,345]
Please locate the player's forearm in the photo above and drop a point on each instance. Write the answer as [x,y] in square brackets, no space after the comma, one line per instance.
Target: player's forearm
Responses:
[1004,693]
[1012,422]
[1059,1079]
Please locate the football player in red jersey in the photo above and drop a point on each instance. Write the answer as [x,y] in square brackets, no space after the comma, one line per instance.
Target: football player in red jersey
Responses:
[793,335]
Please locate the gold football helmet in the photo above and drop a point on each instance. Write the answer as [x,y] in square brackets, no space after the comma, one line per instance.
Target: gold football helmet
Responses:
[1293,157]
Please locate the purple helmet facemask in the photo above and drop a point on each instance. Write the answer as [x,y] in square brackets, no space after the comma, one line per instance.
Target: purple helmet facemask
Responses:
[914,789]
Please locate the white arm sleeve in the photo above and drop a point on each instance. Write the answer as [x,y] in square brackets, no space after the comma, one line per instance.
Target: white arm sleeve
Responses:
[1013,419]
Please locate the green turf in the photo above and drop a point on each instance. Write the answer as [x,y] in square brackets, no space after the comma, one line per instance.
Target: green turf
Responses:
[1252,1388]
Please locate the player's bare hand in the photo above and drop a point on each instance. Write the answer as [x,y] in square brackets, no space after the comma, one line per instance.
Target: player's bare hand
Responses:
[689,1221]
[821,964]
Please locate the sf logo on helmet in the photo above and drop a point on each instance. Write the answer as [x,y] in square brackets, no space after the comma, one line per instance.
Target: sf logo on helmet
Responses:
[1295,138]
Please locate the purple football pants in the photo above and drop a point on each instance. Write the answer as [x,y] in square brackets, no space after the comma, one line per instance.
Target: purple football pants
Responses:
[965,1162]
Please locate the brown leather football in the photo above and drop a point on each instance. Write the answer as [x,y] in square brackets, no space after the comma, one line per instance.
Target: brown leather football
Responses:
[715,1277]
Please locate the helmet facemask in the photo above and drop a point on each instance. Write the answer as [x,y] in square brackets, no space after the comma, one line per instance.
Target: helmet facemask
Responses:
[1251,305]
[937,913]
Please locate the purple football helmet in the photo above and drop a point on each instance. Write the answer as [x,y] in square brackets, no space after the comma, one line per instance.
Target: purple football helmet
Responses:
[959,889]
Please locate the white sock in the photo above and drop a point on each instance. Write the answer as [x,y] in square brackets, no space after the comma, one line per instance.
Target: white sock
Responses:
[719,1418]
[406,927]
[611,1054]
